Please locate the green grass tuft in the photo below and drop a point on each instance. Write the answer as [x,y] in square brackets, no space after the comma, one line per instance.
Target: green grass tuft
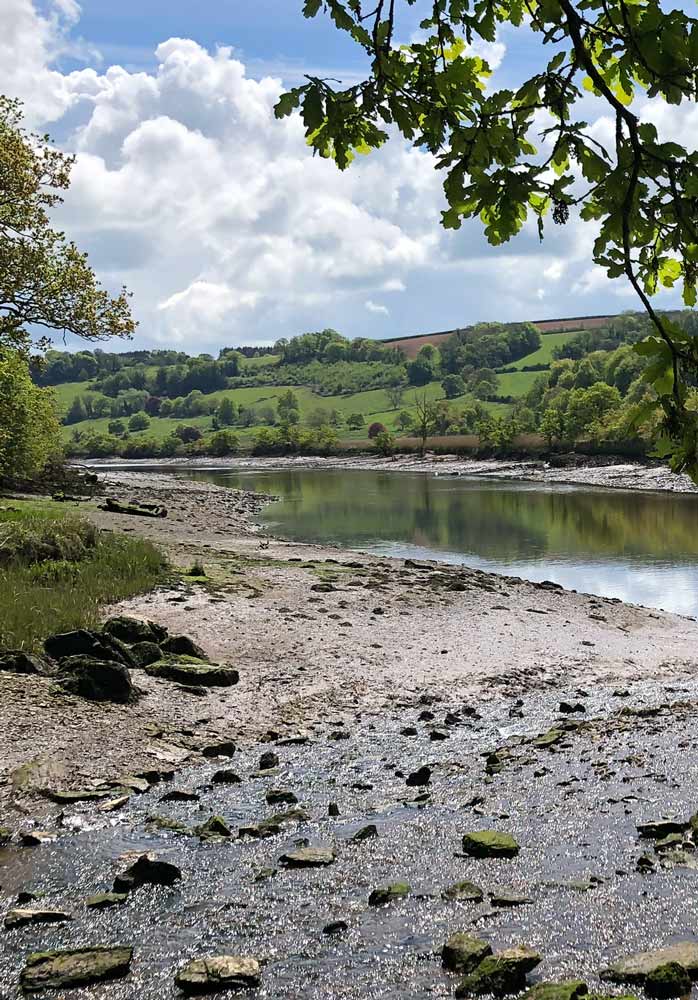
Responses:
[57,572]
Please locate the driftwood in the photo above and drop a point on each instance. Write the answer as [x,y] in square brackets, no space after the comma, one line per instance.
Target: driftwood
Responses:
[137,509]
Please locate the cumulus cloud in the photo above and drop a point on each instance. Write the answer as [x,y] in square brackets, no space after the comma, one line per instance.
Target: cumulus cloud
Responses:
[228,230]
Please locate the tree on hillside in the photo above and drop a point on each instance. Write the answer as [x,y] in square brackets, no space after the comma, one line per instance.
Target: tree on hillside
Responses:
[425,419]
[395,394]
[227,412]
[425,366]
[453,386]
[641,192]
[45,280]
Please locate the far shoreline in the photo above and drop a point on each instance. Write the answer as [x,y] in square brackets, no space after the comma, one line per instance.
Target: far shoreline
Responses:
[586,471]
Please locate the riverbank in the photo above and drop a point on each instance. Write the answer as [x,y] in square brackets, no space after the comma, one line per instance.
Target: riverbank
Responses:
[317,635]
[579,470]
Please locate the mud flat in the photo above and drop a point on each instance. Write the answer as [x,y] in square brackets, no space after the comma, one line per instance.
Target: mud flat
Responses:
[315,632]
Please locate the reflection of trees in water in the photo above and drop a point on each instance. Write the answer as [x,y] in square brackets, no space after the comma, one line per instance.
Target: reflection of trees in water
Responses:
[499,520]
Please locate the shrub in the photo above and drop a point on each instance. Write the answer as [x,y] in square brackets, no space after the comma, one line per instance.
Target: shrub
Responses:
[355,421]
[224,443]
[187,434]
[375,429]
[139,421]
[384,443]
[117,428]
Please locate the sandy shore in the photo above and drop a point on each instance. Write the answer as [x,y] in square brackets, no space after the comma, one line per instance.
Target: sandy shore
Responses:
[319,634]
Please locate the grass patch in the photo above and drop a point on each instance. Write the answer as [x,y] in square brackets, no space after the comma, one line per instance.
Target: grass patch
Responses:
[57,571]
[544,354]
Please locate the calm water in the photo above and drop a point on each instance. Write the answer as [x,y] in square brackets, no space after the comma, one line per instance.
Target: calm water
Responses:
[641,547]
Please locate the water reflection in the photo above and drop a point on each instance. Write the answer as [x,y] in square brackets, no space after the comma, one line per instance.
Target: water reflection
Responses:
[641,547]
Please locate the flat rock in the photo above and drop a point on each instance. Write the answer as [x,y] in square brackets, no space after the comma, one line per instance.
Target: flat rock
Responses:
[490,844]
[501,973]
[636,968]
[308,857]
[81,967]
[570,989]
[466,892]
[193,674]
[104,900]
[219,972]
[182,645]
[389,893]
[658,829]
[20,917]
[147,870]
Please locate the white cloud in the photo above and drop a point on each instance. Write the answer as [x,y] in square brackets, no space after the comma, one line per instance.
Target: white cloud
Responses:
[227,229]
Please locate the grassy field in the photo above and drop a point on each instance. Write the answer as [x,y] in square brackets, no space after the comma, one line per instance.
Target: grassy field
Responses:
[374,405]
[57,571]
[544,354]
[517,383]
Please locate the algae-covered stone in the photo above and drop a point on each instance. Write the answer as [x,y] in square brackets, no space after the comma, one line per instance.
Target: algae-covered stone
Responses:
[145,653]
[308,857]
[280,796]
[226,777]
[669,980]
[549,739]
[466,892]
[366,832]
[20,917]
[81,967]
[500,974]
[214,828]
[194,674]
[5,836]
[389,893]
[219,972]
[165,823]
[571,989]
[78,795]
[105,900]
[463,952]
[129,630]
[636,968]
[490,844]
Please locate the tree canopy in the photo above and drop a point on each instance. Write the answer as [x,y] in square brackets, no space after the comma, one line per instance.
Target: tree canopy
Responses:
[45,281]
[502,166]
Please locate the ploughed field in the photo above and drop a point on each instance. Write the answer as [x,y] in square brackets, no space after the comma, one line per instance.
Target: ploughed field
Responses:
[387,803]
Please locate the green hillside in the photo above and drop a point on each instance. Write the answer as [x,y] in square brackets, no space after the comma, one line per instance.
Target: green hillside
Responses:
[314,391]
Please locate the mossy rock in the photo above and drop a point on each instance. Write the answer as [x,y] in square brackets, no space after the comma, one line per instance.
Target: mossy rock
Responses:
[464,953]
[105,900]
[182,645]
[96,680]
[636,968]
[668,980]
[165,823]
[129,630]
[490,844]
[145,653]
[500,974]
[389,893]
[466,892]
[215,828]
[571,989]
[218,972]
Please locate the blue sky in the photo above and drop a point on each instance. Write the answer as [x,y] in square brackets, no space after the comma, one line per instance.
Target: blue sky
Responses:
[218,218]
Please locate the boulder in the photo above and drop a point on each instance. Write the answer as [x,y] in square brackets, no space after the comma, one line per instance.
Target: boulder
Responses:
[81,967]
[182,645]
[219,972]
[422,776]
[281,796]
[389,893]
[96,680]
[308,857]
[571,989]
[366,832]
[83,642]
[129,630]
[165,823]
[500,974]
[145,653]
[180,795]
[489,844]
[147,870]
[194,674]
[636,968]
[463,952]
[20,917]
[466,892]
[268,760]
[16,661]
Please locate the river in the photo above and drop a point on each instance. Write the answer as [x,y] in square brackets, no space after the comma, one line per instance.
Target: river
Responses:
[638,546]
